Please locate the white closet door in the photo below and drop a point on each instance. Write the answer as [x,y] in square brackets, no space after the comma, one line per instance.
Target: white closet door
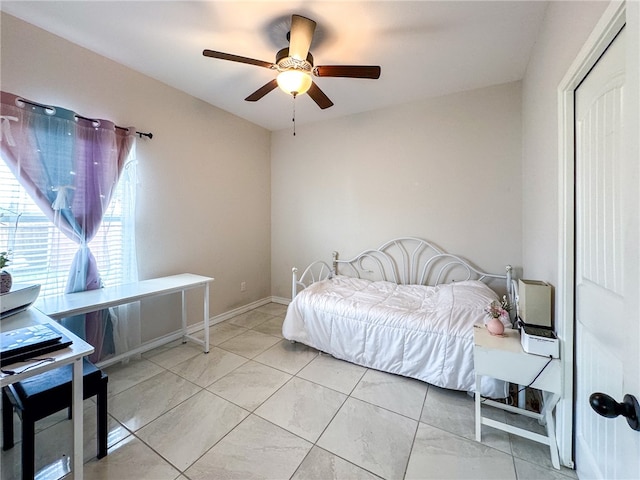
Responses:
[606,269]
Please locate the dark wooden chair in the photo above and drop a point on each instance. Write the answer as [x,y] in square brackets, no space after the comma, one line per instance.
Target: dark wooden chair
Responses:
[43,395]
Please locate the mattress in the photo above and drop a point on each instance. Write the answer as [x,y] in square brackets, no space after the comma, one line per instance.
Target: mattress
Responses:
[422,332]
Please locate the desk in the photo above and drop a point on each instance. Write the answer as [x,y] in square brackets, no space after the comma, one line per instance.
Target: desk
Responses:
[502,357]
[72,354]
[69,304]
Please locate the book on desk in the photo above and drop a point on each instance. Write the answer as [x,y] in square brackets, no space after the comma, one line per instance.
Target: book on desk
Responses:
[30,342]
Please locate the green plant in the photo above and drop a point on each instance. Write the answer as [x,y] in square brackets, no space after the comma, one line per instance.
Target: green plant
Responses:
[4,259]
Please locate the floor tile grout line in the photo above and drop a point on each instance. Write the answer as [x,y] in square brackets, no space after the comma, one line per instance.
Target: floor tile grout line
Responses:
[140,439]
[276,368]
[415,434]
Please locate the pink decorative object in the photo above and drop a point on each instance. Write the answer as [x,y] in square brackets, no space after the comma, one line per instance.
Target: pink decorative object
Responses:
[495,326]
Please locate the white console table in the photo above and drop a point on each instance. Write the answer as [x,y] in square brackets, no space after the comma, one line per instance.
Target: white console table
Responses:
[69,304]
[502,357]
[72,354]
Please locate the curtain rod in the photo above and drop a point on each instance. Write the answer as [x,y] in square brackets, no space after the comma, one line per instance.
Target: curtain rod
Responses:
[140,134]
[49,107]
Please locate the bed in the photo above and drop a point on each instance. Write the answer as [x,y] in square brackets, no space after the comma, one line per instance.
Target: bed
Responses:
[407,307]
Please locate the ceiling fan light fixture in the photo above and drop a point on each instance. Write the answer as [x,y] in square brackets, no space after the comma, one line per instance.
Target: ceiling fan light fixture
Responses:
[294,82]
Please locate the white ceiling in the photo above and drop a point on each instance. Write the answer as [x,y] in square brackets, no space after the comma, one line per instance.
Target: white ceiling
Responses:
[425,48]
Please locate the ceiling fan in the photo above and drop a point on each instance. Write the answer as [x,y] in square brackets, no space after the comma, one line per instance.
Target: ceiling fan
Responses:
[295,66]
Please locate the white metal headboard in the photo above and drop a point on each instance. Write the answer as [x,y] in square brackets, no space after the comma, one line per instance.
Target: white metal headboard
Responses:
[406,260]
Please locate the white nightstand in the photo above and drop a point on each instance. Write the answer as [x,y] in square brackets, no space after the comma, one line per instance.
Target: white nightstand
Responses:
[503,358]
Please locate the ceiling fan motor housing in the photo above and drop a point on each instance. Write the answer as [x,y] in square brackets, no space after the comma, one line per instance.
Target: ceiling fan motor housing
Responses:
[285,62]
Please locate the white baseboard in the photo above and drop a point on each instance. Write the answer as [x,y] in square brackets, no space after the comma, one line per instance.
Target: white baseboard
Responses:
[281,300]
[235,312]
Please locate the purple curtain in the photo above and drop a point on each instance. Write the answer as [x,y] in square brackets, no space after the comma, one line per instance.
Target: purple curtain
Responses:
[70,166]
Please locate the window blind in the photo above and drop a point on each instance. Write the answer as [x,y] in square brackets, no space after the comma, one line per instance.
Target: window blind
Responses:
[40,254]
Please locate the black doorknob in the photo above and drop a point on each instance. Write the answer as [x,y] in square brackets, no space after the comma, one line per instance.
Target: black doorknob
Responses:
[606,406]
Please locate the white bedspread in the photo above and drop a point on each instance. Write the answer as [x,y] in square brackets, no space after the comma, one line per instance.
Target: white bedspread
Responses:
[412,330]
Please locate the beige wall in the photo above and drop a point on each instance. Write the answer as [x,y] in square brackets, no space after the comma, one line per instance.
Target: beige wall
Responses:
[446,169]
[204,196]
[565,29]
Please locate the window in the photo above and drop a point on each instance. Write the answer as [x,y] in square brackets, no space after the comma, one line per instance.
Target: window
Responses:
[41,254]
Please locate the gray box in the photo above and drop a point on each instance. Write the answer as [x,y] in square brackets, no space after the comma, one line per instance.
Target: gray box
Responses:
[534,302]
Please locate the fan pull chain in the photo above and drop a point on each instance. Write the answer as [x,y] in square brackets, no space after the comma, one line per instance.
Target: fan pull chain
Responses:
[294,114]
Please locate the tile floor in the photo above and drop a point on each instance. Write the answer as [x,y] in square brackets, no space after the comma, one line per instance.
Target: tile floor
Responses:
[258,406]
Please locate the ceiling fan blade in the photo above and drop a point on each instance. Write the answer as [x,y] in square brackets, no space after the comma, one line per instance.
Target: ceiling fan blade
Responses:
[301,36]
[351,71]
[262,91]
[236,58]
[319,97]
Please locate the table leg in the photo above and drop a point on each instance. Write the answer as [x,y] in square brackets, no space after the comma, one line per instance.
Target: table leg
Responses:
[206,318]
[478,412]
[184,318]
[77,462]
[549,403]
